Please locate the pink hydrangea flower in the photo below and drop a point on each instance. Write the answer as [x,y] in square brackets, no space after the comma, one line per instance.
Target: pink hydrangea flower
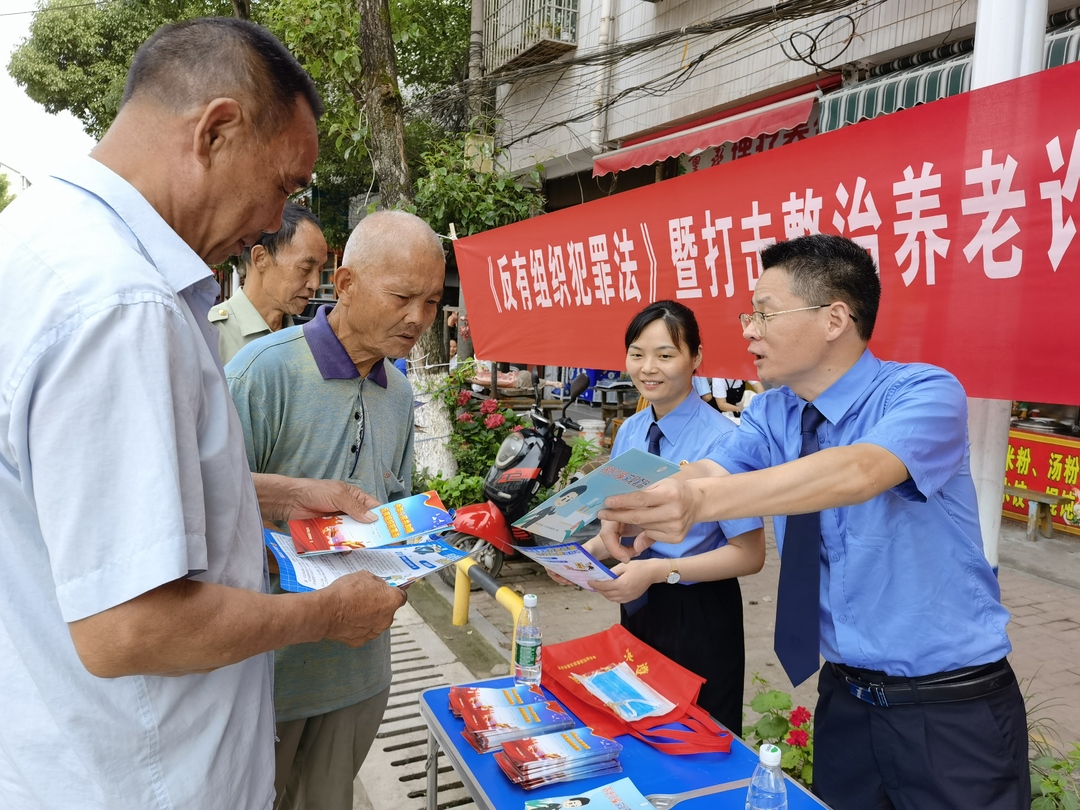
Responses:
[465,417]
[489,406]
[463,397]
[494,420]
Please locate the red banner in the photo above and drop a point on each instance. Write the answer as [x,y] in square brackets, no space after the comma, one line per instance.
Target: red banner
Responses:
[968,205]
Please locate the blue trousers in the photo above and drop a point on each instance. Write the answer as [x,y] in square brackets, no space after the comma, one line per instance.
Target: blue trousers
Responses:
[967,755]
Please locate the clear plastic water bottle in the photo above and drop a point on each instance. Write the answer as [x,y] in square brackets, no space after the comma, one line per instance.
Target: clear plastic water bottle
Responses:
[527,644]
[767,789]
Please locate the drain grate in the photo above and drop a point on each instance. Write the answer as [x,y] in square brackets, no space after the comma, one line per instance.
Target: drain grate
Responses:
[394,775]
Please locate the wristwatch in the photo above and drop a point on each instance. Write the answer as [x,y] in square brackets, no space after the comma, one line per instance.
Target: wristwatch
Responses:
[673,576]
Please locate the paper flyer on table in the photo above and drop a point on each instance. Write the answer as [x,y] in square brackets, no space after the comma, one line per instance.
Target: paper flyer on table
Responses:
[568,510]
[397,521]
[619,795]
[397,565]
[570,561]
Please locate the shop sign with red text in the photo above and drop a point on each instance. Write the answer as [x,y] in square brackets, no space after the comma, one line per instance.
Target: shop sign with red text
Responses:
[1044,463]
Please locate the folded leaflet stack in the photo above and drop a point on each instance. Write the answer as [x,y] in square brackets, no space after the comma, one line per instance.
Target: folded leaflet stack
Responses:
[559,757]
[487,728]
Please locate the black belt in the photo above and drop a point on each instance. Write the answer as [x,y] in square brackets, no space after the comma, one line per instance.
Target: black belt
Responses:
[884,690]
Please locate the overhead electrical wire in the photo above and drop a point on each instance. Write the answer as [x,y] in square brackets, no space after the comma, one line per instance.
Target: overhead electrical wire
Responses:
[801,46]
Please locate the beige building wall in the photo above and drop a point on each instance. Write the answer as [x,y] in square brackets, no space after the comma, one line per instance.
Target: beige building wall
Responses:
[548,120]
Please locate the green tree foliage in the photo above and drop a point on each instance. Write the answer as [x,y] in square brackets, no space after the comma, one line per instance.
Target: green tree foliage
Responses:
[431,42]
[77,55]
[5,191]
[471,190]
[322,36]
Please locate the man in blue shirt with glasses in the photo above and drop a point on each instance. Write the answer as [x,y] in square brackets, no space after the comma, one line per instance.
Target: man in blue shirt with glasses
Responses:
[918,707]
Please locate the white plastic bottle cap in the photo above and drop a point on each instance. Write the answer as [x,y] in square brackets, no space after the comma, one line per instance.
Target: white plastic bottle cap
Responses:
[769,754]
[530,602]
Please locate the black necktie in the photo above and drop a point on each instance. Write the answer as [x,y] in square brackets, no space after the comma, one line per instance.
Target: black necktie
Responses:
[655,434]
[797,637]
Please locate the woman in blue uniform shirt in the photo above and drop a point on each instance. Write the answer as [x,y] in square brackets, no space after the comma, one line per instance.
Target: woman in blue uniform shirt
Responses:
[684,599]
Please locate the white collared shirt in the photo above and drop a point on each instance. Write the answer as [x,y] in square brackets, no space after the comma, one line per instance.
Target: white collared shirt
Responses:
[122,467]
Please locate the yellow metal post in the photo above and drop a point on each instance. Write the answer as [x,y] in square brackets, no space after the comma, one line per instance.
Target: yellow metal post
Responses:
[512,601]
[507,597]
[461,591]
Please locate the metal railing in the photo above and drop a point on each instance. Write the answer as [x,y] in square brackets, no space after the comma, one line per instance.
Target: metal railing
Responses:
[521,32]
[468,570]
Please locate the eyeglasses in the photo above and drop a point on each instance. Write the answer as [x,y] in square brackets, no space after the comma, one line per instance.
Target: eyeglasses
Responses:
[760,319]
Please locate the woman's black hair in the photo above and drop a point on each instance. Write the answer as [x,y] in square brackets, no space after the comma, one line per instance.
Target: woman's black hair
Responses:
[680,321]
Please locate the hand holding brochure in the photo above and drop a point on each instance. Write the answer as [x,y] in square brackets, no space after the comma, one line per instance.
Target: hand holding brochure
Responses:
[567,511]
[570,561]
[397,521]
[397,566]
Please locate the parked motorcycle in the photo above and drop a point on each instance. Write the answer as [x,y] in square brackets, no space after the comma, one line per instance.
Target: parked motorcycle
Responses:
[527,460]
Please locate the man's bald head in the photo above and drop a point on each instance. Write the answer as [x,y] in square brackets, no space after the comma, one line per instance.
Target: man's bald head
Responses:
[191,63]
[385,233]
[389,286]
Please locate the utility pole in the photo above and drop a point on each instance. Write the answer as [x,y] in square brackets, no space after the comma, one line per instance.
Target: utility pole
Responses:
[1009,42]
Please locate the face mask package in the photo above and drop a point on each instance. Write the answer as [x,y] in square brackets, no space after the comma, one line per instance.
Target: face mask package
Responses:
[625,693]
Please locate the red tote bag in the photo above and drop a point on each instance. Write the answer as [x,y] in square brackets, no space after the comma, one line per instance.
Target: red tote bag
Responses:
[679,685]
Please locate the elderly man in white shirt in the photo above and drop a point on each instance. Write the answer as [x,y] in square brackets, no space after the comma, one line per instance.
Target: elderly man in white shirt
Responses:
[134,623]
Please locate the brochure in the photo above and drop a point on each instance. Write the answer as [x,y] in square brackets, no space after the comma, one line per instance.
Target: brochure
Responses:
[558,757]
[570,561]
[398,521]
[486,728]
[398,565]
[483,697]
[570,774]
[567,511]
[619,795]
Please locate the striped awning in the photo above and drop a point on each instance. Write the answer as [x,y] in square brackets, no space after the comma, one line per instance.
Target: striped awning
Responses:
[898,91]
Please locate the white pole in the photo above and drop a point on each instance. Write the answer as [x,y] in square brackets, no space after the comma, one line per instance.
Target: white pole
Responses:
[1009,42]
[598,133]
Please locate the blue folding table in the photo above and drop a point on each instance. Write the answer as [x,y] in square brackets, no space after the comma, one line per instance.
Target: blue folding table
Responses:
[651,771]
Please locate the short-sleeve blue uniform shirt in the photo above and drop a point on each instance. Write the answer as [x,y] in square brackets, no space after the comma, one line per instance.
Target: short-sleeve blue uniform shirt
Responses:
[905,587]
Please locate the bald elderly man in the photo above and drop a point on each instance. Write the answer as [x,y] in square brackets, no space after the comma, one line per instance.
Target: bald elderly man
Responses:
[324,401]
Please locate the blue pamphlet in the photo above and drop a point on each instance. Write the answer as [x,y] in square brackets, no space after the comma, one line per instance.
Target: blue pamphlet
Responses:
[568,510]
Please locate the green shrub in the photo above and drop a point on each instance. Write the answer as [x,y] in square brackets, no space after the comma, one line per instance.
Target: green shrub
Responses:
[790,729]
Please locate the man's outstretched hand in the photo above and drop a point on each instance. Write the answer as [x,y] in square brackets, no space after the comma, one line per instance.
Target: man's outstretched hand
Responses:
[661,513]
